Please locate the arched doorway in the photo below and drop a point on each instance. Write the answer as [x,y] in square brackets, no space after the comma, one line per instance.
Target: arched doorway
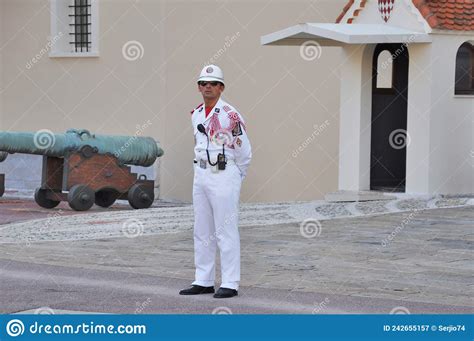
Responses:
[389,137]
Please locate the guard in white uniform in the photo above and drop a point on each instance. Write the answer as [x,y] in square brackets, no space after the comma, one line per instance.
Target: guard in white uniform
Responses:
[222,156]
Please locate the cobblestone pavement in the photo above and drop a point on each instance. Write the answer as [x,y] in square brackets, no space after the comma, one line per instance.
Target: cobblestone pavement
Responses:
[63,224]
[17,209]
[420,260]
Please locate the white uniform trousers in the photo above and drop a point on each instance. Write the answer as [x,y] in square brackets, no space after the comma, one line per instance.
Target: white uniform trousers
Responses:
[216,216]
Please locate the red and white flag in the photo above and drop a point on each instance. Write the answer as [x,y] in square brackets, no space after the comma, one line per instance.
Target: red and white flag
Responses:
[385,8]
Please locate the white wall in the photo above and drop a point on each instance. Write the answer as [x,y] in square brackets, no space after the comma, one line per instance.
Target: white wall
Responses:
[281,95]
[422,62]
[452,133]
[355,122]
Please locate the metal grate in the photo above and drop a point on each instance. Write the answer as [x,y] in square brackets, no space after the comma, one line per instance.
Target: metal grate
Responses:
[80,28]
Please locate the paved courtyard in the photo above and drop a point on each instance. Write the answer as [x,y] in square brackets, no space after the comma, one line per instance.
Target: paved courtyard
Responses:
[406,255]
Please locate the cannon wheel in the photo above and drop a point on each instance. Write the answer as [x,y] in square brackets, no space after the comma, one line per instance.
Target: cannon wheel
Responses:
[81,197]
[105,197]
[42,199]
[140,196]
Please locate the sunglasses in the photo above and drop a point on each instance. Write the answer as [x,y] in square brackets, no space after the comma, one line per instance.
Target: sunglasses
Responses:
[205,83]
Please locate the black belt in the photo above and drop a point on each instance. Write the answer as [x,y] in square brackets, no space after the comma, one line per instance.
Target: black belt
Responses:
[206,164]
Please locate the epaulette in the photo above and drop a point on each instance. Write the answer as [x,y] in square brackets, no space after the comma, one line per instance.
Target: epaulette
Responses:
[200,105]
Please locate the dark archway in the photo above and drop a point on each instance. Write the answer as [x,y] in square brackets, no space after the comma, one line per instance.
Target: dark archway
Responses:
[389,136]
[465,70]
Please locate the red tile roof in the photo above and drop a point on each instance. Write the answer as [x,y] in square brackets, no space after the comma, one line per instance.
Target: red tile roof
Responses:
[457,15]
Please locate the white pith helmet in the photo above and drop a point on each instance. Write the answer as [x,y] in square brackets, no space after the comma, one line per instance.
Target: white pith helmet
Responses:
[211,73]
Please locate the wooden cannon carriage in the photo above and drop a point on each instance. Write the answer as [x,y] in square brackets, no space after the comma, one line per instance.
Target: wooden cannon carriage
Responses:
[85,177]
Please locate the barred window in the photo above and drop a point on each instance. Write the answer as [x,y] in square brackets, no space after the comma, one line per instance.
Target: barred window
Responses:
[74,28]
[465,70]
[80,28]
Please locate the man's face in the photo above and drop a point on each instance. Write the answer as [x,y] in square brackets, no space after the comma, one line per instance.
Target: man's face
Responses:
[210,90]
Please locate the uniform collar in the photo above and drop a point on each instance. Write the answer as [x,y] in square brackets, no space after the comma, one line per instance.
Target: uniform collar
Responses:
[216,110]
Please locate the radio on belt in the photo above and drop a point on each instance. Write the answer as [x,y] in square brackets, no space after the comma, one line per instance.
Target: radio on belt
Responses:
[221,160]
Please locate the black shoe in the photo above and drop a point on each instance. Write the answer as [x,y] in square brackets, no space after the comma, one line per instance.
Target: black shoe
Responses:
[225,293]
[197,290]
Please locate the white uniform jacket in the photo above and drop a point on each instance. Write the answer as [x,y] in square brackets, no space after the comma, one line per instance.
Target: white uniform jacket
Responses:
[225,127]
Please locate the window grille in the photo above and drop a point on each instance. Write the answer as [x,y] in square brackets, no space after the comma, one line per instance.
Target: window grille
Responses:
[81,27]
